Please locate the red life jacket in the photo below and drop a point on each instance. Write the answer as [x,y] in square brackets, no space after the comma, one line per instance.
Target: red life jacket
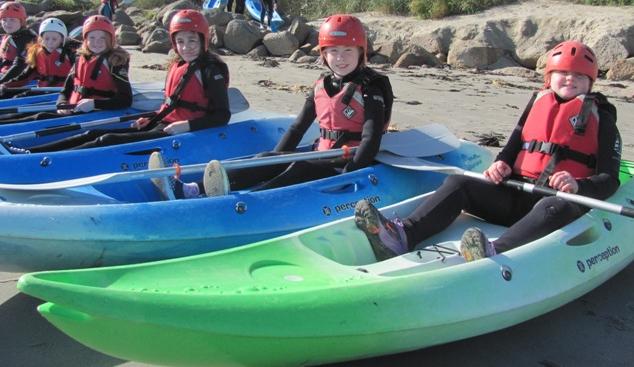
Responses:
[8,52]
[193,101]
[92,80]
[52,68]
[336,116]
[556,129]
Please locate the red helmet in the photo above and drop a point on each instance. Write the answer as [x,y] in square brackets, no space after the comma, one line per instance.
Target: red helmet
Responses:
[190,20]
[342,30]
[98,23]
[11,9]
[572,56]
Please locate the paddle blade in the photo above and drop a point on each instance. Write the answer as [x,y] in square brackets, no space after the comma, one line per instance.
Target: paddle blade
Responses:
[433,139]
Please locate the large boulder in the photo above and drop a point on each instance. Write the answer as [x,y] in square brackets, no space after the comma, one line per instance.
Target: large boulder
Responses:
[299,29]
[281,43]
[121,17]
[168,11]
[241,36]
[216,36]
[158,41]
[218,17]
[622,70]
[127,35]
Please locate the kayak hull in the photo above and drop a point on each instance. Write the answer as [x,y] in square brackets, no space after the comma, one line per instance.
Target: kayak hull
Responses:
[65,229]
[319,296]
[188,148]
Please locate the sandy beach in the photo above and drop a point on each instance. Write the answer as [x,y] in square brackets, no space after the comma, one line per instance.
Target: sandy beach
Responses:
[595,330]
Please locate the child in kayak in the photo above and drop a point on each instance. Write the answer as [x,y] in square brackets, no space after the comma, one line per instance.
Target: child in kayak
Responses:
[49,60]
[566,139]
[195,92]
[351,102]
[14,42]
[98,80]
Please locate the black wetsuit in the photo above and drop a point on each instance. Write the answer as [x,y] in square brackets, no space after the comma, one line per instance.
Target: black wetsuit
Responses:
[21,38]
[239,6]
[287,174]
[528,216]
[218,114]
[267,9]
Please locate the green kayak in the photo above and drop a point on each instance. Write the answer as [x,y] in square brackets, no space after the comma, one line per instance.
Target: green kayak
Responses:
[319,295]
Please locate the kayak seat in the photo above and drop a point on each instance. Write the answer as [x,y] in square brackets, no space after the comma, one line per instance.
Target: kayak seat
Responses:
[343,243]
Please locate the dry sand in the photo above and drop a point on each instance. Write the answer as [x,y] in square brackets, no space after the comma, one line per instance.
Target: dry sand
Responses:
[595,330]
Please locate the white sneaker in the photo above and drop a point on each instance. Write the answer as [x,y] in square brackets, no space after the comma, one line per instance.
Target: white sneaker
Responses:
[164,184]
[215,179]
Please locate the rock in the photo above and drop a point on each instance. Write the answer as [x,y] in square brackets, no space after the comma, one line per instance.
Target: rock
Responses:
[121,17]
[160,47]
[258,53]
[464,55]
[391,50]
[416,56]
[217,17]
[299,29]
[378,59]
[296,55]
[157,41]
[69,18]
[434,42]
[280,43]
[622,70]
[609,50]
[241,36]
[307,59]
[127,38]
[136,15]
[166,13]
[313,37]
[216,36]
[518,71]
[32,8]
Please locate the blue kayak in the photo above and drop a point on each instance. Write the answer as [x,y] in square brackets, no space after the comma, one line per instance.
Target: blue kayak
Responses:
[211,4]
[23,101]
[254,8]
[188,148]
[126,222]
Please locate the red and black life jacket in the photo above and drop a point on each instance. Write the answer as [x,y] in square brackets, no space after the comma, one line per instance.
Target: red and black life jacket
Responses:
[53,67]
[341,116]
[559,136]
[185,89]
[92,80]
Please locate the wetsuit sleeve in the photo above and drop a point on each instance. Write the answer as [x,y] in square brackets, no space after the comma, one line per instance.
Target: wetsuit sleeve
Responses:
[216,76]
[605,182]
[26,74]
[296,131]
[372,130]
[64,95]
[123,97]
[19,62]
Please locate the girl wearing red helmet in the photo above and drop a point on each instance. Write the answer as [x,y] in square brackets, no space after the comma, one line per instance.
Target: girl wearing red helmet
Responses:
[566,139]
[49,60]
[14,42]
[195,92]
[351,102]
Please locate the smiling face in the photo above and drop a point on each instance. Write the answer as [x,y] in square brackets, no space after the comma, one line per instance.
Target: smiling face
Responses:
[568,85]
[98,41]
[187,45]
[342,60]
[11,25]
[51,40]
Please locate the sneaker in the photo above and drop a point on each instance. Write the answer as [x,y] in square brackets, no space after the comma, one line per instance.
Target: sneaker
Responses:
[387,237]
[215,179]
[165,184]
[474,245]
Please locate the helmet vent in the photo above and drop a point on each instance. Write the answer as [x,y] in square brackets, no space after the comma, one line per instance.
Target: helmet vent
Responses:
[573,51]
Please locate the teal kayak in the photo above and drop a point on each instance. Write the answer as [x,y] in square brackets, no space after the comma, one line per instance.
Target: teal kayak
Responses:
[319,295]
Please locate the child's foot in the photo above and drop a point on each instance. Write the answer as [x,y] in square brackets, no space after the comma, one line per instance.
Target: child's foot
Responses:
[215,179]
[165,184]
[474,245]
[387,237]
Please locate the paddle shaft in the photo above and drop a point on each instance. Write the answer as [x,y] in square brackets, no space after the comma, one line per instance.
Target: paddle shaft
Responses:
[36,89]
[72,127]
[36,108]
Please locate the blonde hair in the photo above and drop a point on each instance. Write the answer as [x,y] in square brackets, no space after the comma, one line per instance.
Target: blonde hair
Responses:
[33,49]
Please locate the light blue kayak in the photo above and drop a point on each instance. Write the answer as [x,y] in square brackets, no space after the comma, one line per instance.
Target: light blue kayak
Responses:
[125,222]
[211,4]
[254,8]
